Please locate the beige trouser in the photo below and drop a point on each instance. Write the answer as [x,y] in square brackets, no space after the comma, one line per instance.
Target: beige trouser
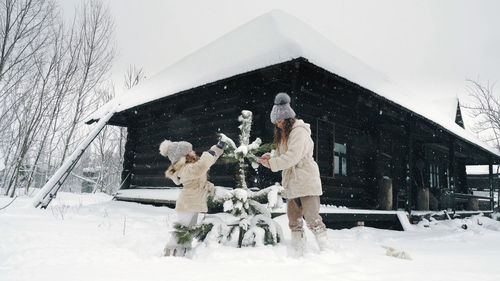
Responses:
[307,207]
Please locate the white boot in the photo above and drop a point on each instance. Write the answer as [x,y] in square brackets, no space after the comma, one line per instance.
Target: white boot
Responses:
[178,251]
[174,249]
[167,251]
[322,240]
[298,244]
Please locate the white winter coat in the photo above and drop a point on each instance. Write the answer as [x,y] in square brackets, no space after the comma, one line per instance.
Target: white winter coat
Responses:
[300,173]
[193,177]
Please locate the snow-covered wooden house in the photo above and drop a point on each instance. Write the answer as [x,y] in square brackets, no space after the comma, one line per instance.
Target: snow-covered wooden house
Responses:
[377,145]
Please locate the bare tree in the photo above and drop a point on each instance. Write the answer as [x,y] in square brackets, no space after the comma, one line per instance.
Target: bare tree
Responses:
[48,74]
[108,148]
[104,153]
[132,77]
[25,36]
[485,109]
[96,55]
[21,21]
[62,73]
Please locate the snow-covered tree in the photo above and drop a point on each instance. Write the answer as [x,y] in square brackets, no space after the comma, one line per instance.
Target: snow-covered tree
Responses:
[245,152]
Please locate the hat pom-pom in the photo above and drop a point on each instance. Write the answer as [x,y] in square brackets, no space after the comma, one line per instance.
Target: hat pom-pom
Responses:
[164,148]
[282,98]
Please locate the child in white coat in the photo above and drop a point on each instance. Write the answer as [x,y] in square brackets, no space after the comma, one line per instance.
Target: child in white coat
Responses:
[191,171]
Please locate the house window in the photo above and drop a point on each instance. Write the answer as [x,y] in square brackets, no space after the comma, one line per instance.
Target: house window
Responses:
[330,155]
[340,163]
[434,175]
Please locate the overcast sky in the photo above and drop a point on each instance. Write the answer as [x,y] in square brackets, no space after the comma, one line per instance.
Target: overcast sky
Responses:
[428,46]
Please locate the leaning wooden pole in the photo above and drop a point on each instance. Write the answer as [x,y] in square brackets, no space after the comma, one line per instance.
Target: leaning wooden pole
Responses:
[49,190]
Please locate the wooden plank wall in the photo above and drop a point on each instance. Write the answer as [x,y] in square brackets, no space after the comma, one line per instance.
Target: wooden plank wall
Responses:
[339,104]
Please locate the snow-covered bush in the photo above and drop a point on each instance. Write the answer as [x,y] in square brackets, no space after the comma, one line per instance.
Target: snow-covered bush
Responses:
[262,231]
[186,234]
[496,216]
[210,230]
[255,223]
[251,220]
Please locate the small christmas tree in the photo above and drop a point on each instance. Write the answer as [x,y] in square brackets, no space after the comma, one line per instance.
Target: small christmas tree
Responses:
[246,151]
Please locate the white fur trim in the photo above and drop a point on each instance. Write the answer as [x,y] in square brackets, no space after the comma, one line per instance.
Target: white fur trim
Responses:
[164,148]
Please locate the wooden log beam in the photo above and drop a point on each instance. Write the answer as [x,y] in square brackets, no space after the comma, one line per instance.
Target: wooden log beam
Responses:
[451,167]
[129,157]
[409,164]
[490,180]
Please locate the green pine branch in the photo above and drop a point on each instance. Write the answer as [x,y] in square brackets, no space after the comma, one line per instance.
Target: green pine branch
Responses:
[186,234]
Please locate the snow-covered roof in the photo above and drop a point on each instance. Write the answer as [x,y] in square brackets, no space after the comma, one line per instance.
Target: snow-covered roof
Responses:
[273,38]
[446,105]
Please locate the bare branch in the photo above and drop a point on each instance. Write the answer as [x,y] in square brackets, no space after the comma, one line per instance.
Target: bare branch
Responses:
[485,109]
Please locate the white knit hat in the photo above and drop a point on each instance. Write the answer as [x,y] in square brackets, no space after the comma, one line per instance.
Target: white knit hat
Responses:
[175,150]
[281,109]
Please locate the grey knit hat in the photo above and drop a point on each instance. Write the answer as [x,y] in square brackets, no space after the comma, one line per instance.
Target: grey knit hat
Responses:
[281,108]
[175,150]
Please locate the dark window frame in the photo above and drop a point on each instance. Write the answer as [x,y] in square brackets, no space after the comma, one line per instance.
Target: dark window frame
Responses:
[341,156]
[331,174]
[434,176]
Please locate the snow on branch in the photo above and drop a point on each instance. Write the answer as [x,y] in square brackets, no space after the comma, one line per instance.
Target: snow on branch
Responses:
[245,152]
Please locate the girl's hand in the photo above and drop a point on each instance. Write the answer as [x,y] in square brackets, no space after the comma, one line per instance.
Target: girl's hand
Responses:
[264,161]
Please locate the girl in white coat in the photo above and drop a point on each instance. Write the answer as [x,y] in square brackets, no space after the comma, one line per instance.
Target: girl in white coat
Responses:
[300,173]
[191,171]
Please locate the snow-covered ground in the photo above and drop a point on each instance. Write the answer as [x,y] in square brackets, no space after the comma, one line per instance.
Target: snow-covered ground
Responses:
[91,237]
